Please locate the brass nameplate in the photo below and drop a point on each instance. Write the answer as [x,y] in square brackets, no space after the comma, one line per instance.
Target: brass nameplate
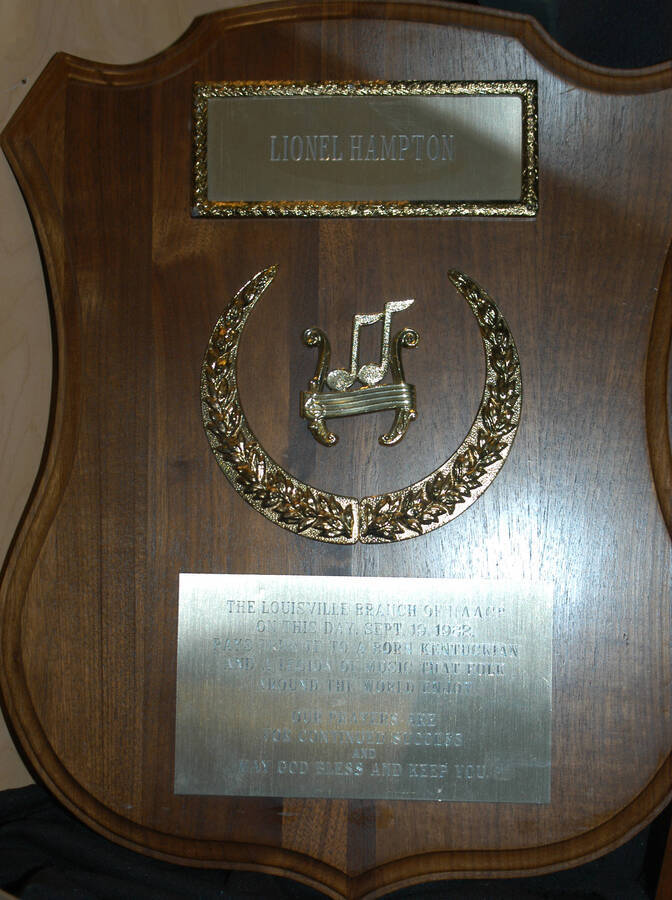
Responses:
[367,688]
[363,149]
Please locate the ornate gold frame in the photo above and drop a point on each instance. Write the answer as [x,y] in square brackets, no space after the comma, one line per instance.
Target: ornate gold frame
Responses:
[395,516]
[527,205]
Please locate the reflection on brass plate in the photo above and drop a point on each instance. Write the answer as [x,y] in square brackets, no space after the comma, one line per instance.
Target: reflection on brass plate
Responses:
[368,688]
[394,516]
[410,148]
[317,405]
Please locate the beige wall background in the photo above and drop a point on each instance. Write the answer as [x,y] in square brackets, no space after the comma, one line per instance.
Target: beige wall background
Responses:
[31,31]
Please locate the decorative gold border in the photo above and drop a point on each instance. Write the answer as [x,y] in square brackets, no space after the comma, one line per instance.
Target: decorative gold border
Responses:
[417,509]
[528,205]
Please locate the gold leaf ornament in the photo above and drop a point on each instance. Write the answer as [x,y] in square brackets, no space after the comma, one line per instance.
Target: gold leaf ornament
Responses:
[386,518]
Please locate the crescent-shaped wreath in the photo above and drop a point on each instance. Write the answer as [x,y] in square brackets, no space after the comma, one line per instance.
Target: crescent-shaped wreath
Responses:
[395,516]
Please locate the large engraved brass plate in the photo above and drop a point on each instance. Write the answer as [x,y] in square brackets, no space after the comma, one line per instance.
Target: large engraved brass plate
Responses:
[374,148]
[394,688]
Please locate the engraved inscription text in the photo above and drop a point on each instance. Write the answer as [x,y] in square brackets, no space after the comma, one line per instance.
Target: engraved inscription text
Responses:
[345,687]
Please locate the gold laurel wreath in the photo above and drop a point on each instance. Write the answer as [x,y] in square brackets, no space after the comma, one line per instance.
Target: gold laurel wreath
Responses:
[414,510]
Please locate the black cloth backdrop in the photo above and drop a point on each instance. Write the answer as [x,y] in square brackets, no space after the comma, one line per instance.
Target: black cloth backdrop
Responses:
[47,854]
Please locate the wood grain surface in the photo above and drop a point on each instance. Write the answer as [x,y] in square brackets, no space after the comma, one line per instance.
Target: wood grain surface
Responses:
[32,31]
[129,494]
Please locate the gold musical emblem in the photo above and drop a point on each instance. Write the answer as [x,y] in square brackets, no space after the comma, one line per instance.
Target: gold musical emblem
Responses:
[394,516]
[318,405]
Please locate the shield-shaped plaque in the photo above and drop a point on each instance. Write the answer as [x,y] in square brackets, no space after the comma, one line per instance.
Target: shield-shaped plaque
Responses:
[352,536]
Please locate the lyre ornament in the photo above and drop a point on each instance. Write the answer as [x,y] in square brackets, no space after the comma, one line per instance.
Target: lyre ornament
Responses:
[317,404]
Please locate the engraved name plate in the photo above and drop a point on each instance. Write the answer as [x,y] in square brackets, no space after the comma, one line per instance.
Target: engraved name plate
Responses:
[367,688]
[413,148]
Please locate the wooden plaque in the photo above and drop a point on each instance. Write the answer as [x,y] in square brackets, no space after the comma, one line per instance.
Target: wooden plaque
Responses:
[568,292]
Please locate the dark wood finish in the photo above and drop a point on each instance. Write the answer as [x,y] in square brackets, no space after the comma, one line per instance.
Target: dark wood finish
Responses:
[129,494]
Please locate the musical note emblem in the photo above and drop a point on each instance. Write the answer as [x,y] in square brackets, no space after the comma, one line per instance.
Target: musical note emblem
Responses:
[317,404]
